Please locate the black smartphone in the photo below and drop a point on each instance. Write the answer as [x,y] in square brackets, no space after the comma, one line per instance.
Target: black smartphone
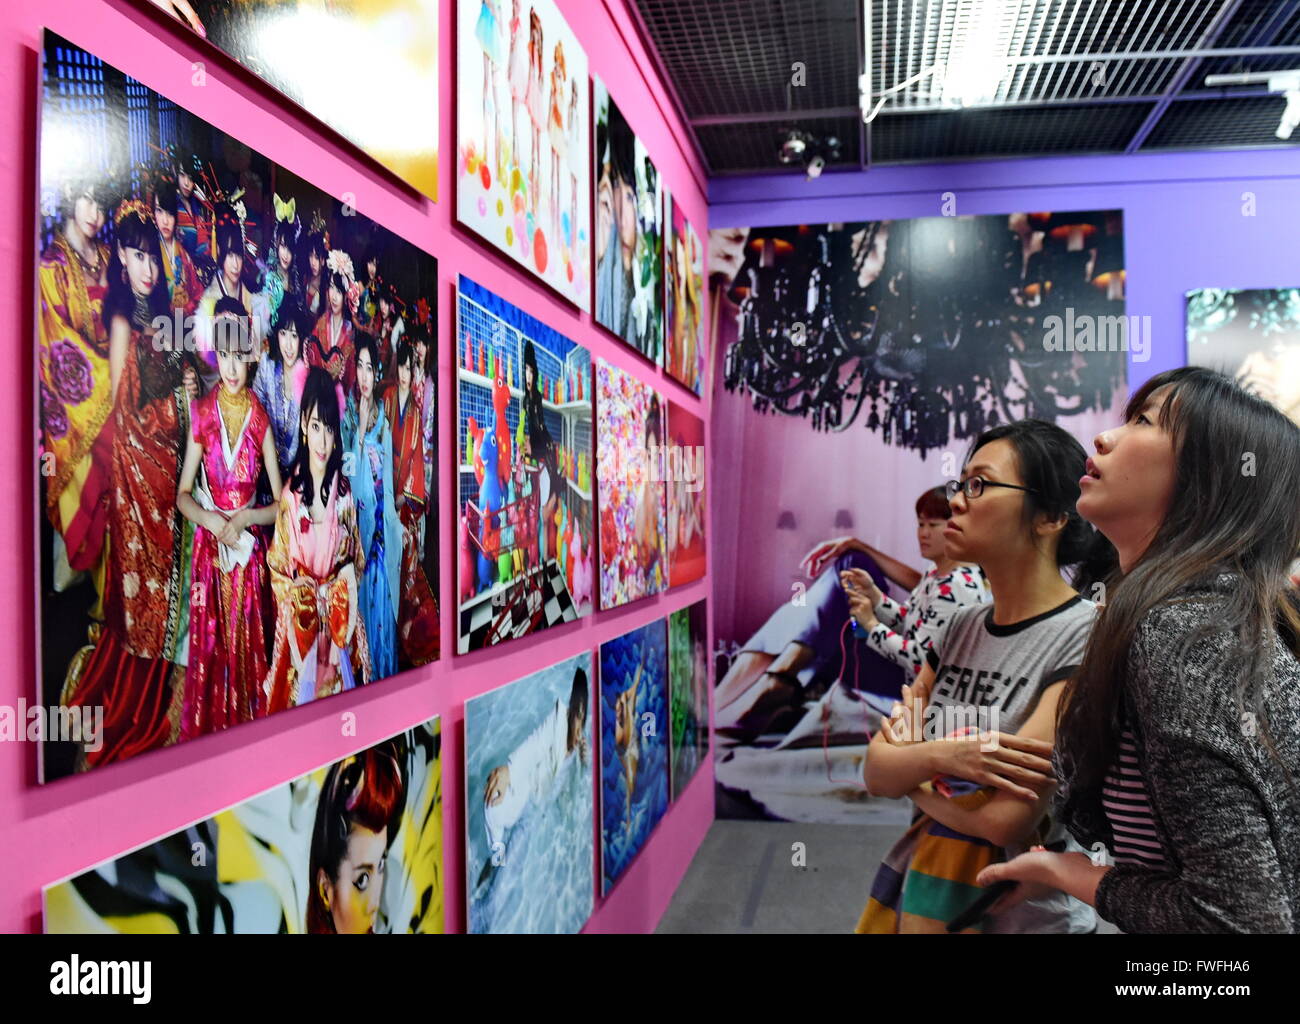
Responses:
[973,914]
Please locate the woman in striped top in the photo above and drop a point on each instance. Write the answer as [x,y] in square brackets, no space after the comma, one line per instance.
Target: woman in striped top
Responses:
[1128,808]
[1177,744]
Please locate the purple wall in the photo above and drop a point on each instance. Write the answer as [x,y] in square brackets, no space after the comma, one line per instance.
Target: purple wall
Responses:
[1185,226]
[1184,220]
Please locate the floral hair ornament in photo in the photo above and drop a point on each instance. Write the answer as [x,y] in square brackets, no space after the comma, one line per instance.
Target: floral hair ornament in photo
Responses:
[319,227]
[223,205]
[133,206]
[339,262]
[423,314]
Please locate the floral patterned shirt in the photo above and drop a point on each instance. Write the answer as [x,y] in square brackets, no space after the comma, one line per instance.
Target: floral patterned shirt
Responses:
[906,632]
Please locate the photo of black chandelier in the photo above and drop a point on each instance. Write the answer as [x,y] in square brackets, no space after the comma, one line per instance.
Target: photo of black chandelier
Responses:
[928,329]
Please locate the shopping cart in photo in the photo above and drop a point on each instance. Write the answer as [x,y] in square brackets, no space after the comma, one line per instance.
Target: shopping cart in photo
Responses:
[518,605]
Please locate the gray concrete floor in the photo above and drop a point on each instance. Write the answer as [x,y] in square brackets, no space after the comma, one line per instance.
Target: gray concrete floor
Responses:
[745,879]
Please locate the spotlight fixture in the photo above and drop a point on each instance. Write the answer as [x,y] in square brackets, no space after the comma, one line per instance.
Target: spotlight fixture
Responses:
[802,147]
[794,146]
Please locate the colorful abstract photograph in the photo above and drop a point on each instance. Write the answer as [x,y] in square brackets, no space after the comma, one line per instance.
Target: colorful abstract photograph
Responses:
[524,540]
[633,515]
[523,139]
[688,692]
[634,728]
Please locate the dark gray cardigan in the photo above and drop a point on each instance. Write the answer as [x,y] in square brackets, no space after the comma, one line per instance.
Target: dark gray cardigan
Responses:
[1224,811]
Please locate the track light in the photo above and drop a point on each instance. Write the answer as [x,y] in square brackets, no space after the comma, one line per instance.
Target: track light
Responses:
[1287,83]
[801,147]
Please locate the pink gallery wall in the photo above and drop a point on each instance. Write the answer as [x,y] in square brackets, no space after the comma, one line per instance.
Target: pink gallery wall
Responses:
[50,832]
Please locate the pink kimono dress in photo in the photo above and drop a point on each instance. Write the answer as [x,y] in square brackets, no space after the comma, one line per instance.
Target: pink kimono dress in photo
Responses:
[230,592]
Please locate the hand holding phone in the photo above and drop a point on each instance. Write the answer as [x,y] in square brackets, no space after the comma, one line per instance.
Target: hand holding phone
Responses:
[979,908]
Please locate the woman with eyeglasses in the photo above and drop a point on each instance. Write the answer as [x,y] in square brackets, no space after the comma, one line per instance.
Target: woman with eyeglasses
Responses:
[1178,746]
[1000,670]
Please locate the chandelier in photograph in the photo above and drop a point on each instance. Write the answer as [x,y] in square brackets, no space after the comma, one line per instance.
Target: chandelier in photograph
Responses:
[926,329]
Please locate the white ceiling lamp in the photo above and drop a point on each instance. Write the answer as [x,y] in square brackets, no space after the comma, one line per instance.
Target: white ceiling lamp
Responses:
[1285,83]
[980,47]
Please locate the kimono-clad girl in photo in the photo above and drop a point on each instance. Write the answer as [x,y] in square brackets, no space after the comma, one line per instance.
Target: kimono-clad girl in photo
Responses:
[417,612]
[533,101]
[283,273]
[228,282]
[389,329]
[191,217]
[558,136]
[76,402]
[178,267]
[281,373]
[229,446]
[357,818]
[368,464]
[334,332]
[366,307]
[136,666]
[428,394]
[316,561]
[314,278]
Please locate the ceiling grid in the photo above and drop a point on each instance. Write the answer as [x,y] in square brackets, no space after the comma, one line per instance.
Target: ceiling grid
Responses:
[730,62]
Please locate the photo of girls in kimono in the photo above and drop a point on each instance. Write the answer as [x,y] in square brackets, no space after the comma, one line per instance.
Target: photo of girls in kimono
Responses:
[629,232]
[236,428]
[522,139]
[352,848]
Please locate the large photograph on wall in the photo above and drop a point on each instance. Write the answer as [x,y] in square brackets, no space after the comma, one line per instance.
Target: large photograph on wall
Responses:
[1252,334]
[634,728]
[523,139]
[859,361]
[524,539]
[354,847]
[630,476]
[366,68]
[629,232]
[688,692]
[685,474]
[685,357]
[530,818]
[236,382]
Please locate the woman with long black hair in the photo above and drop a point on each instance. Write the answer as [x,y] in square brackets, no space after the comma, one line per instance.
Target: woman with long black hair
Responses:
[1177,745]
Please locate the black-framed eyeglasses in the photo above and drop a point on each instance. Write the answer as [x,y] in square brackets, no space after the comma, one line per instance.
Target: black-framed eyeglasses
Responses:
[974,486]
